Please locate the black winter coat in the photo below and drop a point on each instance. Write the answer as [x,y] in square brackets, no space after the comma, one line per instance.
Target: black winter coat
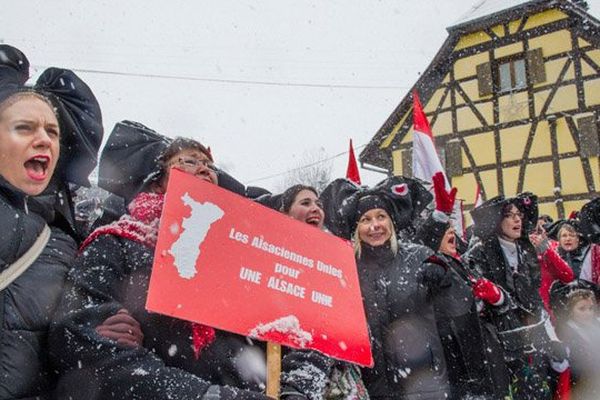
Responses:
[28,303]
[113,273]
[522,306]
[408,354]
[473,354]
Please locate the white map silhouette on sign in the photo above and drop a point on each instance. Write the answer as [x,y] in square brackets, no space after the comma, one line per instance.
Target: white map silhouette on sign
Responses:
[186,249]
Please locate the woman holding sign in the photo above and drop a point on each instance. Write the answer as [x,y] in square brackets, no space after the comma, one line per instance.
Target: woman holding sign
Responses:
[178,359]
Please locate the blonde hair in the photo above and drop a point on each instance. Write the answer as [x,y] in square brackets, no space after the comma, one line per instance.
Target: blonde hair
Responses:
[356,242]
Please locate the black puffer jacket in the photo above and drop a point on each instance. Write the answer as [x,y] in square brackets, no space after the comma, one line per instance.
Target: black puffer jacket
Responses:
[28,303]
[409,358]
[113,273]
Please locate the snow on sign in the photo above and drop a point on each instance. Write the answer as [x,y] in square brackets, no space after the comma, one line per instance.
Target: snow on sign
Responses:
[225,261]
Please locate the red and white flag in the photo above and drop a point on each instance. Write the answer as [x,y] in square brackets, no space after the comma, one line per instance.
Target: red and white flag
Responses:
[425,160]
[352,170]
[478,198]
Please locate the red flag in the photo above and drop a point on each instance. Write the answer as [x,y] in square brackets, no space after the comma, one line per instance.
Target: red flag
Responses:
[352,171]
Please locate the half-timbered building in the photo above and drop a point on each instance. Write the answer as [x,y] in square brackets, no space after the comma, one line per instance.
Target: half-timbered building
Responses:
[513,99]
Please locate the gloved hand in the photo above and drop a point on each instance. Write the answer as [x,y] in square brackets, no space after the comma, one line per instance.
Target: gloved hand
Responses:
[487,291]
[539,241]
[122,328]
[444,201]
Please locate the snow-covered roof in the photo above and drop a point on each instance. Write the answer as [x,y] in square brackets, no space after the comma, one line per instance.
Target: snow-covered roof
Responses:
[486,8]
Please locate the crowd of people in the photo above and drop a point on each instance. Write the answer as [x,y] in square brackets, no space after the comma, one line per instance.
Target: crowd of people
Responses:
[509,312]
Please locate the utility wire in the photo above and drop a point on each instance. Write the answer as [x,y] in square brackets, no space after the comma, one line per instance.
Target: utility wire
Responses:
[232,81]
[304,166]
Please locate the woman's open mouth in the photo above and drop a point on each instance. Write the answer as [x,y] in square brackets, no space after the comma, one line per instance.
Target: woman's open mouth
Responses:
[313,220]
[37,167]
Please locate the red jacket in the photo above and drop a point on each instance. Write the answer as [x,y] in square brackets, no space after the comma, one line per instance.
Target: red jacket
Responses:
[553,268]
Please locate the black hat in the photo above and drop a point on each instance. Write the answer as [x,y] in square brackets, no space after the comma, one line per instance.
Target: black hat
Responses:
[589,218]
[130,159]
[403,198]
[553,229]
[76,107]
[488,216]
[255,192]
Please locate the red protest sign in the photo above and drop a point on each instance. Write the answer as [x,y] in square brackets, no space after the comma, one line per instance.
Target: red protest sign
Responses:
[225,261]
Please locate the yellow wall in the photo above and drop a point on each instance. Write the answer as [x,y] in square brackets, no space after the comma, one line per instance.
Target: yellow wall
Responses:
[594,163]
[513,107]
[565,99]
[540,146]
[553,69]
[548,209]
[498,30]
[467,66]
[586,69]
[539,179]
[510,176]
[482,148]
[512,142]
[397,162]
[466,185]
[443,124]
[434,101]
[564,139]
[472,39]
[508,50]
[552,43]
[543,18]
[471,88]
[594,55]
[489,180]
[592,92]
[572,178]
[466,119]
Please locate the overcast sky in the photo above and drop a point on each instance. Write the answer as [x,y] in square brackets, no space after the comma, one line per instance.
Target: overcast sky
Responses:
[261,82]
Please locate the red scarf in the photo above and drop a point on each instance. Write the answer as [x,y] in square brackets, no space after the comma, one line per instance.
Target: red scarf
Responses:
[141,225]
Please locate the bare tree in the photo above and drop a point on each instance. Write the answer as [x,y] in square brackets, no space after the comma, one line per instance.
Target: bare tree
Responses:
[313,169]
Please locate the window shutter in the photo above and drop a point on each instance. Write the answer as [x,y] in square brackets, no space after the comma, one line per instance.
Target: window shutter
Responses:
[484,79]
[537,69]
[407,162]
[588,136]
[453,158]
